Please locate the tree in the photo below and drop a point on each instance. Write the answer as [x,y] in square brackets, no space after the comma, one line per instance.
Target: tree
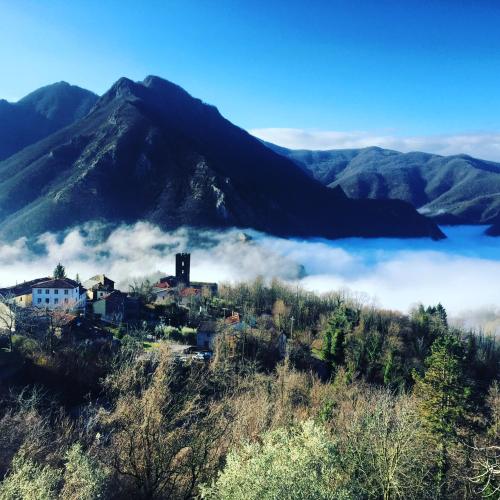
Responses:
[164,437]
[280,314]
[84,479]
[301,462]
[10,313]
[383,445]
[485,459]
[443,394]
[334,338]
[29,480]
[59,272]
[143,290]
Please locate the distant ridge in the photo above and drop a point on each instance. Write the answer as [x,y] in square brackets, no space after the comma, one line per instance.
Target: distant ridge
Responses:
[41,113]
[450,189]
[150,151]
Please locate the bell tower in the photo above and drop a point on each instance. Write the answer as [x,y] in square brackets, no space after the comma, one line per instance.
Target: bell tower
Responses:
[182,267]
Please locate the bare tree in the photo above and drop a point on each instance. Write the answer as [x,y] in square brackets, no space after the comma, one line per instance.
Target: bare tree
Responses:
[486,463]
[162,439]
[9,313]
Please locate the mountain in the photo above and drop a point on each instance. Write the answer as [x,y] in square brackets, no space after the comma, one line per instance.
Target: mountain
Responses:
[149,151]
[450,189]
[41,113]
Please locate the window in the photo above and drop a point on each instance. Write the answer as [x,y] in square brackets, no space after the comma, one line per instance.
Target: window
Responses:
[65,301]
[47,292]
[39,290]
[56,301]
[56,291]
[66,292]
[39,301]
[47,301]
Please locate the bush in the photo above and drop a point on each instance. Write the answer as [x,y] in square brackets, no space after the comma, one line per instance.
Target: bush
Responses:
[25,345]
[84,479]
[188,335]
[301,462]
[29,480]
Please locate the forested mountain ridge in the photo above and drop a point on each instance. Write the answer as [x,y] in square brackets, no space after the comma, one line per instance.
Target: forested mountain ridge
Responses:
[41,113]
[150,151]
[450,189]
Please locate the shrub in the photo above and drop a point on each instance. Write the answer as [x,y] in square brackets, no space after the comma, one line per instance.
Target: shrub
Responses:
[29,480]
[84,479]
[300,462]
[25,345]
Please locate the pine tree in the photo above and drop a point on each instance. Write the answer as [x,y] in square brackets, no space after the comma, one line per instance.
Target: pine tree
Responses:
[334,338]
[389,369]
[59,272]
[441,312]
[443,394]
[326,350]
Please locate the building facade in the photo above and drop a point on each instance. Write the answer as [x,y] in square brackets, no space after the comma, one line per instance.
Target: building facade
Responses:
[59,294]
[99,286]
[21,294]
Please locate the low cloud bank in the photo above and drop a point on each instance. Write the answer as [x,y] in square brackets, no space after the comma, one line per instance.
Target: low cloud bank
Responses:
[481,145]
[462,272]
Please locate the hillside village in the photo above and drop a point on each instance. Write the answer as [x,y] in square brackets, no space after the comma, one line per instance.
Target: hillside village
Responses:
[95,310]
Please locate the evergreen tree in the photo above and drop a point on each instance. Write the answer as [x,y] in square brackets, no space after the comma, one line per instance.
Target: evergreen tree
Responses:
[326,350]
[389,369]
[441,313]
[59,272]
[443,394]
[334,338]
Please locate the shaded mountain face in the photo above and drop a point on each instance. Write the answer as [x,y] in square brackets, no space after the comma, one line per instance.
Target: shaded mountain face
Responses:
[150,151]
[450,189]
[41,113]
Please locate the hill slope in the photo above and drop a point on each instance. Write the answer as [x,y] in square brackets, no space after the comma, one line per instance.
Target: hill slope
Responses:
[452,189]
[41,113]
[150,151]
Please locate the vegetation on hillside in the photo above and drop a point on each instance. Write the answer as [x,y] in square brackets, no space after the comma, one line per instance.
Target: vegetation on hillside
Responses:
[363,404]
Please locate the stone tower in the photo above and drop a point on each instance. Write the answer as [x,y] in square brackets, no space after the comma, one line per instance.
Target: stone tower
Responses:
[182,267]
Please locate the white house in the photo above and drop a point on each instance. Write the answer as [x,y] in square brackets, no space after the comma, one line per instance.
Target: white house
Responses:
[59,293]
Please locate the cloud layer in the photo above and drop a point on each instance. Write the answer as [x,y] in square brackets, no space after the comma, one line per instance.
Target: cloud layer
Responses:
[461,272]
[481,145]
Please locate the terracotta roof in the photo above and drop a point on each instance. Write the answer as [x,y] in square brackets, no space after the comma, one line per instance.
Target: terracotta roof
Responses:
[162,285]
[234,318]
[57,283]
[190,292]
[21,288]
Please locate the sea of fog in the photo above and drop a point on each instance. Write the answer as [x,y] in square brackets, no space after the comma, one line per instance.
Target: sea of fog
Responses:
[462,272]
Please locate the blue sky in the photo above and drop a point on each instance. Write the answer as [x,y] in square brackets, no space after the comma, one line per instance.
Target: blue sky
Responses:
[379,68]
